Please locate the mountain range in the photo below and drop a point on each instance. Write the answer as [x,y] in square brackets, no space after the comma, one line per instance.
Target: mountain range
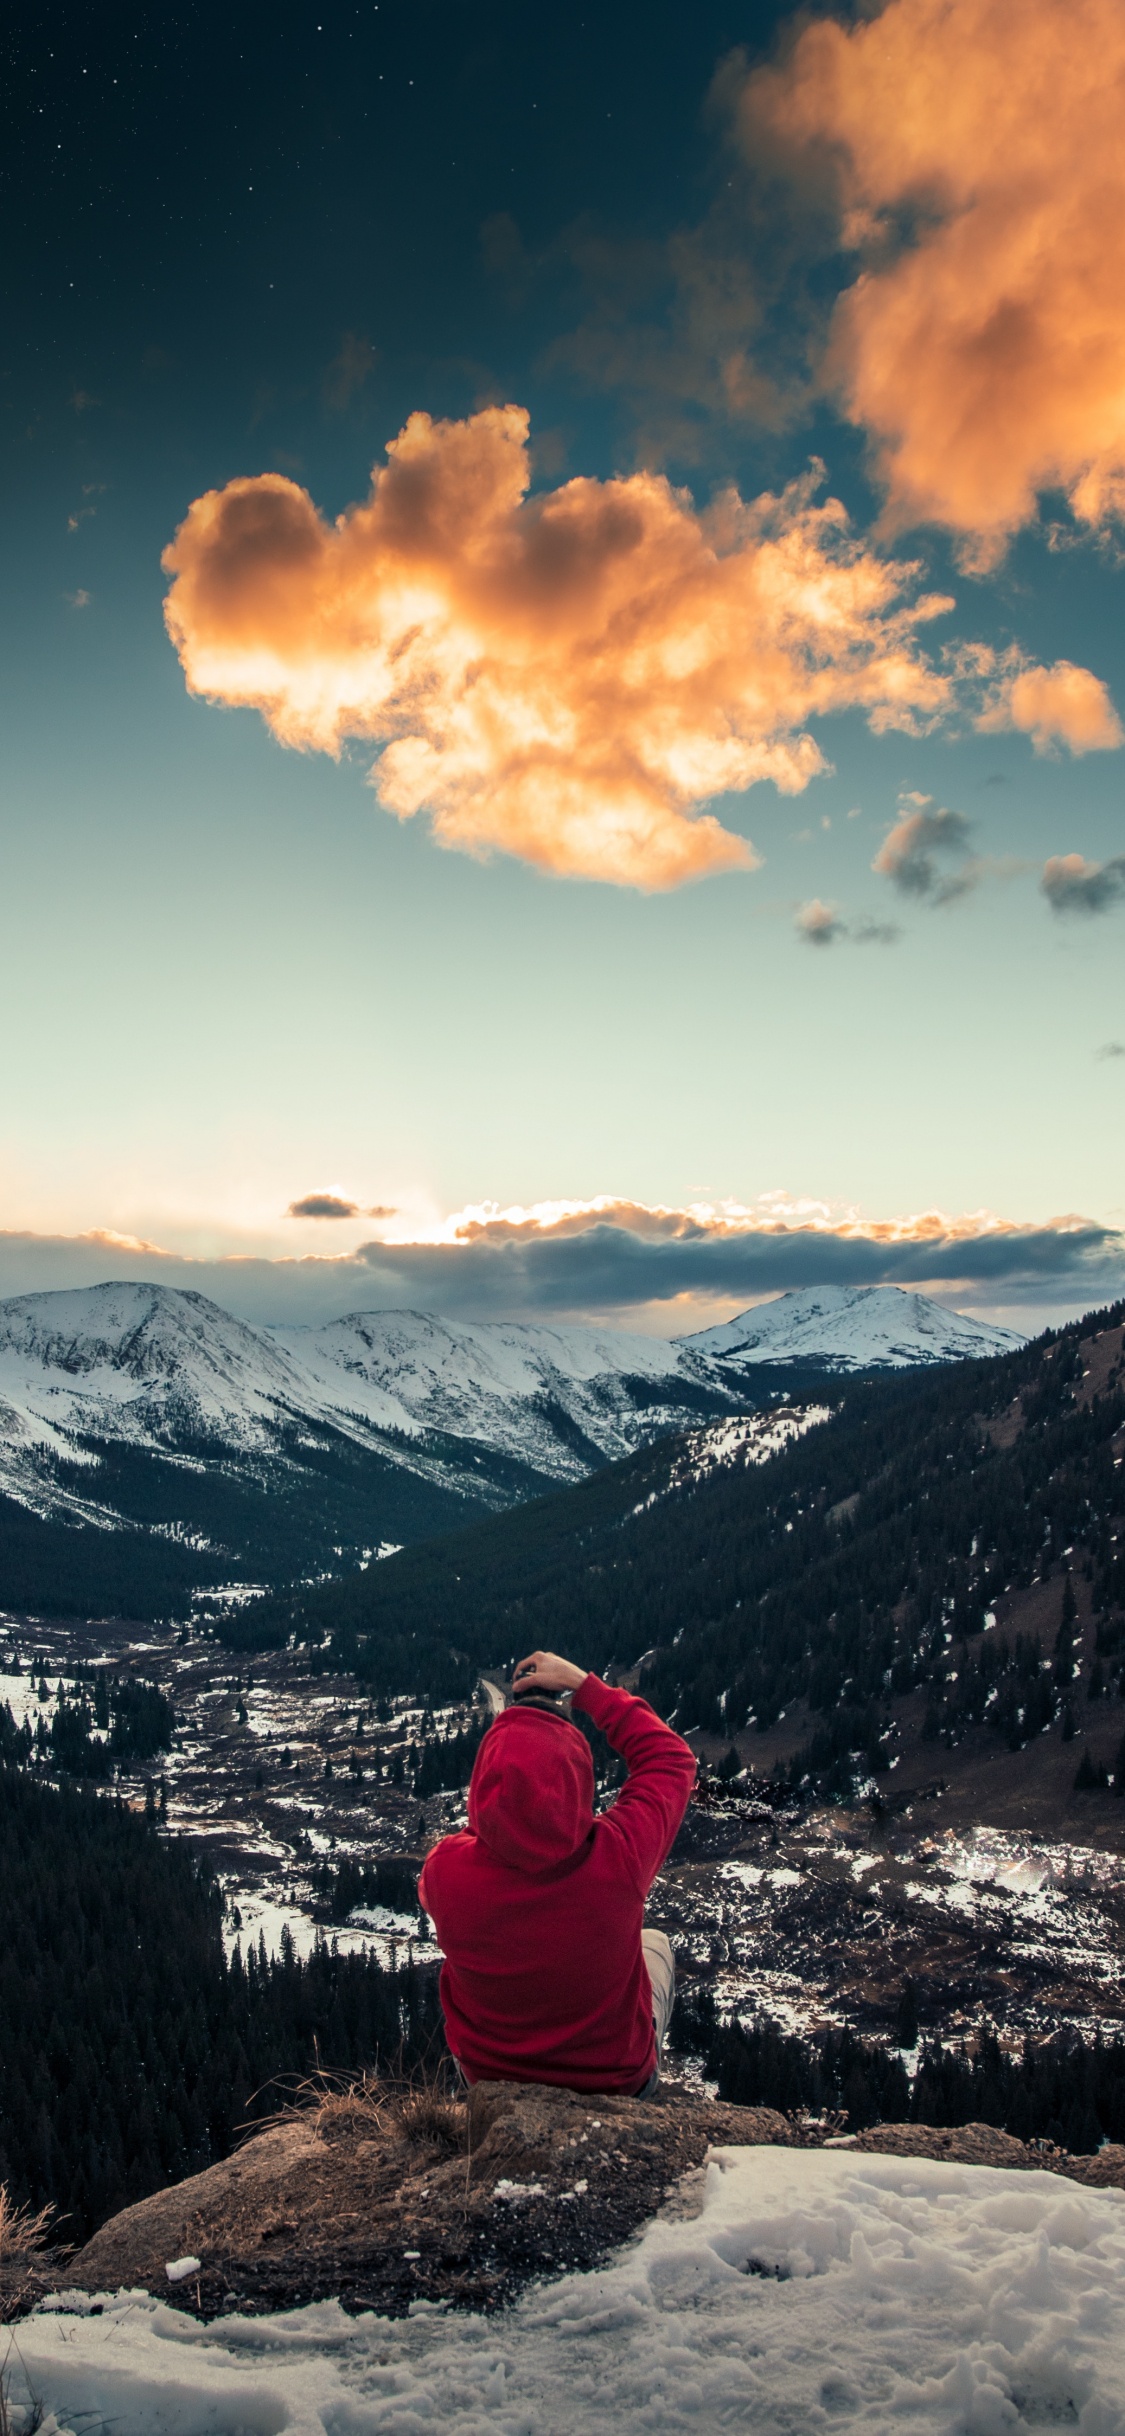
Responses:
[153,1446]
[921,1572]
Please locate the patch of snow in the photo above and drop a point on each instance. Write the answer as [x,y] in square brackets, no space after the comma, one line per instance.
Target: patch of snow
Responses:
[23,1699]
[1020,1864]
[748,1440]
[817,2289]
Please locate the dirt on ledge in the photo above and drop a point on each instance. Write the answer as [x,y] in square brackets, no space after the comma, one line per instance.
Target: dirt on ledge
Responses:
[379,2200]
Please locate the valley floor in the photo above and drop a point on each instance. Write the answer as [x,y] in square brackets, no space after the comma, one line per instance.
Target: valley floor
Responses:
[815,1916]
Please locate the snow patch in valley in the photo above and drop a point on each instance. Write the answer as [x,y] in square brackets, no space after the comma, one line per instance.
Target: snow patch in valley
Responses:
[1021,1864]
[817,2289]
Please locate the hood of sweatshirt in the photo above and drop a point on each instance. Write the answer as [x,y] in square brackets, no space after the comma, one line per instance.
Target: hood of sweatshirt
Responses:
[531,1800]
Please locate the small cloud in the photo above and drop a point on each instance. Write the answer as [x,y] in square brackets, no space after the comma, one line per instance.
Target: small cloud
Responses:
[1072,885]
[907,856]
[348,371]
[856,812]
[79,517]
[78,600]
[820,924]
[81,401]
[1111,1048]
[330,1205]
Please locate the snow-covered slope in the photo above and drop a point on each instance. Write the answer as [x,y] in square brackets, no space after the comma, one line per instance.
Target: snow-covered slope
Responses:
[535,1393]
[873,2295]
[142,1362]
[845,1328]
[163,1369]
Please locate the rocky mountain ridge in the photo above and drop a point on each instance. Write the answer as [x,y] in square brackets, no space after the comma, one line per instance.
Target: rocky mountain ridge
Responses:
[177,1449]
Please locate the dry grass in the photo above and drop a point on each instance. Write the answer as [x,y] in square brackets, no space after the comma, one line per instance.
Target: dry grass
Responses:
[419,2107]
[22,2230]
[429,2118]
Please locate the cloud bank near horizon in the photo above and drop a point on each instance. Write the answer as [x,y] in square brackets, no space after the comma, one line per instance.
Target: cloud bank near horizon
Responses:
[969,154]
[609,1259]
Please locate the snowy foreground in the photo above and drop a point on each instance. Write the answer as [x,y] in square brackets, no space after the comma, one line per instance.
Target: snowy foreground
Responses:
[818,2289]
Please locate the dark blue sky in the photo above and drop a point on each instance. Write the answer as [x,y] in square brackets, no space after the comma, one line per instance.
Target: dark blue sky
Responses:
[200,205]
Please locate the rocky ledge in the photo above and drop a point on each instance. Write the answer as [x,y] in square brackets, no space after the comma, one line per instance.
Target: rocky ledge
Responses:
[380,2199]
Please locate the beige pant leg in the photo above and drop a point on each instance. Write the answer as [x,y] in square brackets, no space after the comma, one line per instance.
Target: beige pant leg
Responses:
[662,1978]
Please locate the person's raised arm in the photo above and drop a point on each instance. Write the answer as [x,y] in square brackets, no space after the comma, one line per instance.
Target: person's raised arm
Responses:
[646,1815]
[544,1672]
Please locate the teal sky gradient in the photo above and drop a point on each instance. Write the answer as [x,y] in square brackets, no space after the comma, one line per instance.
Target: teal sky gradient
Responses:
[230,978]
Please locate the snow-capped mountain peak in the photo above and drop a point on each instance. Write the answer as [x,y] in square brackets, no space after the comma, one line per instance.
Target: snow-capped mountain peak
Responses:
[844,1328]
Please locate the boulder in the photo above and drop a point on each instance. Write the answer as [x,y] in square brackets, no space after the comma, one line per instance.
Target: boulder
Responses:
[381,2200]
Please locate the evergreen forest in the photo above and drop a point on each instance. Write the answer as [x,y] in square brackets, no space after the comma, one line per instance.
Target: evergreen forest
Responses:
[132,2051]
[859,1564]
[1063,2092]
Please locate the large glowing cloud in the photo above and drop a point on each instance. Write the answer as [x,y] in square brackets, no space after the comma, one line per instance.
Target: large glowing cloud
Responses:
[568,677]
[979,171]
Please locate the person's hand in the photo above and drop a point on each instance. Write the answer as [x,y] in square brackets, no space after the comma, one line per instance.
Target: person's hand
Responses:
[544,1672]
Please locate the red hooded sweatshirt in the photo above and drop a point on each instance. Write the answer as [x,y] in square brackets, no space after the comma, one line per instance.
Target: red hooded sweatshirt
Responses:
[538,1905]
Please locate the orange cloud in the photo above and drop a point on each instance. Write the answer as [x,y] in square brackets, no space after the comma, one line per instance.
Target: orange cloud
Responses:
[1062,704]
[976,151]
[568,677]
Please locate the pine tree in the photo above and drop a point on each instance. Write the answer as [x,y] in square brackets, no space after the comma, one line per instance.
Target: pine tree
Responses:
[906,2019]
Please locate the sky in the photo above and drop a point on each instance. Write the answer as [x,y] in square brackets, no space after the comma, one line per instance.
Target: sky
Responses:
[561,656]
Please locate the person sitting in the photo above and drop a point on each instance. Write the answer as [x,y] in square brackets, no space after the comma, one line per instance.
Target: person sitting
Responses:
[538,1906]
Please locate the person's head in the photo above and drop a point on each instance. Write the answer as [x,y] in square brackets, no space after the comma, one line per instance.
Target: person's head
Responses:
[531,1798]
